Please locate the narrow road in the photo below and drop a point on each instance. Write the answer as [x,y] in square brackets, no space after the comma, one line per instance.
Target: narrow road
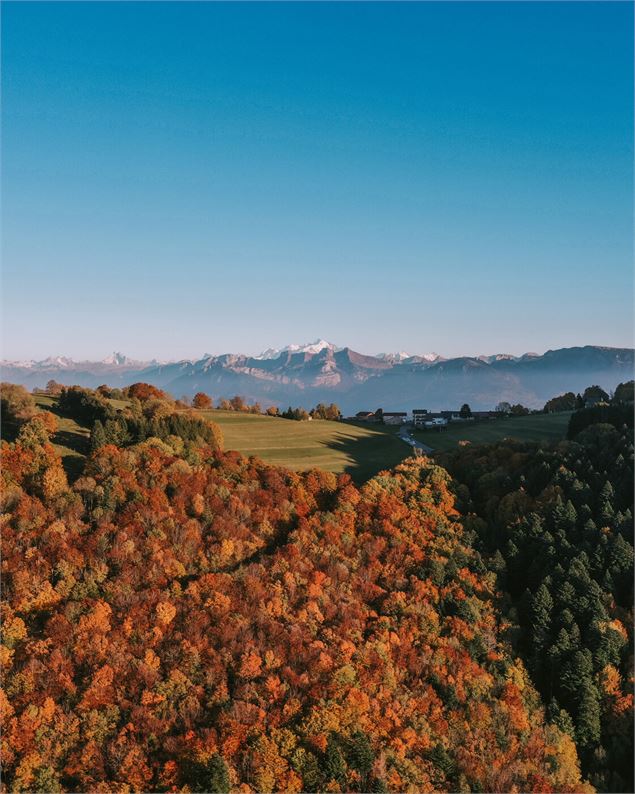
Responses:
[418,447]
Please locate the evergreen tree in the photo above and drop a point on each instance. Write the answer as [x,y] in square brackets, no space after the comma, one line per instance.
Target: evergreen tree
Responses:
[211,776]
[560,717]
[576,674]
[587,723]
[97,436]
[360,757]
[217,775]
[334,767]
[444,762]
[541,609]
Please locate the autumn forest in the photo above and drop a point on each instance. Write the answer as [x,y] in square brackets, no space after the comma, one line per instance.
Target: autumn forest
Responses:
[177,617]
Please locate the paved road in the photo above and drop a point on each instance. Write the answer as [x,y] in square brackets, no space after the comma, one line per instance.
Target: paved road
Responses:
[418,447]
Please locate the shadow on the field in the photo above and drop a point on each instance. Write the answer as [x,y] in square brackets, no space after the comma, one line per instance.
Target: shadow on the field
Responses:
[369,454]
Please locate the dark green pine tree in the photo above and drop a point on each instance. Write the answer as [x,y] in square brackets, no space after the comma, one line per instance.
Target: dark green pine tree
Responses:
[116,432]
[218,775]
[606,514]
[566,595]
[97,436]
[360,757]
[620,568]
[576,674]
[444,762]
[565,518]
[541,609]
[624,521]
[334,767]
[560,717]
[306,765]
[607,493]
[620,555]
[210,776]
[587,723]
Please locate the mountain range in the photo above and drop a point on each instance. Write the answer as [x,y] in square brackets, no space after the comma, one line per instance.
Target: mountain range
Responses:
[320,371]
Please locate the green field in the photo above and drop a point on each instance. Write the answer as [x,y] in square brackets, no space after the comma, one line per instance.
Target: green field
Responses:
[334,446]
[71,440]
[360,450]
[539,427]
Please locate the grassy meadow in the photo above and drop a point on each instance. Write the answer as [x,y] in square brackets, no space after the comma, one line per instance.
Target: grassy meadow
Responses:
[333,446]
[361,450]
[71,440]
[536,427]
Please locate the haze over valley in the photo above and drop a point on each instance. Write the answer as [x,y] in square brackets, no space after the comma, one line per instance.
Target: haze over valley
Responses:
[322,372]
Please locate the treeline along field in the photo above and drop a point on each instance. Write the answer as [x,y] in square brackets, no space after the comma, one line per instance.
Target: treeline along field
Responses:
[536,427]
[332,446]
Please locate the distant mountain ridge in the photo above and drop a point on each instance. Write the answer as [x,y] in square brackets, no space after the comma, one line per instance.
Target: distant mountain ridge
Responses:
[321,371]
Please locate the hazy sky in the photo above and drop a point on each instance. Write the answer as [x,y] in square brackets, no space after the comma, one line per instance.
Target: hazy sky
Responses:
[189,178]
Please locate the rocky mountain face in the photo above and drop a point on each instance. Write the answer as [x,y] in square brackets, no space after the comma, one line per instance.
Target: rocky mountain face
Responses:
[305,375]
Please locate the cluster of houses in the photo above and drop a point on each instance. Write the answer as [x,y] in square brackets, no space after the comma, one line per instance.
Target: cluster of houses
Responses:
[421,417]
[382,417]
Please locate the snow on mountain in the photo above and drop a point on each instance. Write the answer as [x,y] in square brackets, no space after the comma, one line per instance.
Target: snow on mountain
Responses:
[21,364]
[394,381]
[269,353]
[116,359]
[67,363]
[498,357]
[311,347]
[394,357]
[55,361]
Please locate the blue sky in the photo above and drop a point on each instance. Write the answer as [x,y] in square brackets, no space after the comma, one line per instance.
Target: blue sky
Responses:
[189,178]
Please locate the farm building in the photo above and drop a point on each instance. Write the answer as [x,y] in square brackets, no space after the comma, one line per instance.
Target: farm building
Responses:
[365,416]
[435,421]
[394,417]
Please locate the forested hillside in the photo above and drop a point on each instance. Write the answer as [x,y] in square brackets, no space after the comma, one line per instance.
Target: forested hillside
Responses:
[187,619]
[556,525]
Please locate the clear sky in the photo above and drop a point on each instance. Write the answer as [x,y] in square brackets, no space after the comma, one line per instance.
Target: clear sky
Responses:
[188,178]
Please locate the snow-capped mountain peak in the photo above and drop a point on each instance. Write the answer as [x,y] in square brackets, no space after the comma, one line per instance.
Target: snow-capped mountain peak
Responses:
[498,357]
[317,347]
[311,347]
[394,357]
[55,361]
[116,359]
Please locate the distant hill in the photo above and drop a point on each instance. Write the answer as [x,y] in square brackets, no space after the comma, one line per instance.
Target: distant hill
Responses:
[305,375]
